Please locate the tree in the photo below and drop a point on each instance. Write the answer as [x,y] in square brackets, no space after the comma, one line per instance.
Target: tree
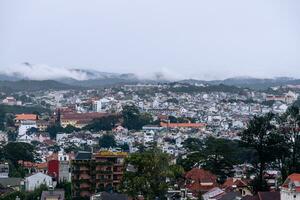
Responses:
[32,130]
[103,124]
[133,119]
[215,154]
[148,176]
[124,147]
[70,129]
[290,155]
[54,129]
[107,141]
[2,119]
[263,138]
[15,151]
[67,187]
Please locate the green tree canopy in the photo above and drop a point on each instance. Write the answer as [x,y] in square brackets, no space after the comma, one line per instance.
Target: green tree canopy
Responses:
[148,174]
[107,141]
[103,124]
[133,119]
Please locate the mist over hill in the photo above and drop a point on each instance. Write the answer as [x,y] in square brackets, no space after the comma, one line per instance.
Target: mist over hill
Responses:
[34,77]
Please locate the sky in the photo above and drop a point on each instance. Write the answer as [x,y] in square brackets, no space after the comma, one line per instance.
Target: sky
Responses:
[204,39]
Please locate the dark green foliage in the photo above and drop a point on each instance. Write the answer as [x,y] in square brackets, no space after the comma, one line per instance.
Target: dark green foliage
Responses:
[107,141]
[149,177]
[173,100]
[173,119]
[214,154]
[23,109]
[2,119]
[67,187]
[103,124]
[36,194]
[53,130]
[31,131]
[133,119]
[124,147]
[12,136]
[261,135]
[15,151]
[70,129]
[33,85]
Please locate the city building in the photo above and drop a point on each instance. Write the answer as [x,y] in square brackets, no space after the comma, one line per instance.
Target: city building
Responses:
[64,167]
[53,195]
[290,190]
[11,101]
[96,172]
[36,180]
[4,170]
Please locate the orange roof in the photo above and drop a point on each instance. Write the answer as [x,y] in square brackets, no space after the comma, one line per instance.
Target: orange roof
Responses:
[26,117]
[294,177]
[42,165]
[183,125]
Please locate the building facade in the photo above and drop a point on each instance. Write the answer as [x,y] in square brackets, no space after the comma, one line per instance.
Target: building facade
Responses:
[91,173]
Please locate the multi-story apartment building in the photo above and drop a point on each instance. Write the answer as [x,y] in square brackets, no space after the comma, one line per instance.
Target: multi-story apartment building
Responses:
[91,173]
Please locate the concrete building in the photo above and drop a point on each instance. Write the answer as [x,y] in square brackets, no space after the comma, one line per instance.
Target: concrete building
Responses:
[64,167]
[36,180]
[4,170]
[96,172]
[290,189]
[53,195]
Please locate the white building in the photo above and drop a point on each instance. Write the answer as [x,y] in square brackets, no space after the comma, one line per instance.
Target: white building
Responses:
[36,180]
[148,137]
[3,137]
[25,126]
[11,101]
[25,138]
[290,189]
[97,106]
[64,167]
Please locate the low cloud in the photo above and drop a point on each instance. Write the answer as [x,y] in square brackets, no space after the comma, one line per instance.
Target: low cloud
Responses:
[43,72]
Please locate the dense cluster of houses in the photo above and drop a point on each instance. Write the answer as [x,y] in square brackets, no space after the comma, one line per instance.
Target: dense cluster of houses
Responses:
[217,114]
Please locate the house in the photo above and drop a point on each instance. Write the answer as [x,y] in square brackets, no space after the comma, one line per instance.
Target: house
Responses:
[4,170]
[53,195]
[290,190]
[213,194]
[11,101]
[109,196]
[201,126]
[3,137]
[200,180]
[36,180]
[264,196]
[25,126]
[25,138]
[64,167]
[148,137]
[25,117]
[79,120]
[12,182]
[237,185]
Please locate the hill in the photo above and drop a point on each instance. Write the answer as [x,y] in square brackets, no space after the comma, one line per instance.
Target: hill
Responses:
[31,85]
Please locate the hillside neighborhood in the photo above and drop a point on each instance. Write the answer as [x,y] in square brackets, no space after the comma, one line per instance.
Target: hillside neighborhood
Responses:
[95,144]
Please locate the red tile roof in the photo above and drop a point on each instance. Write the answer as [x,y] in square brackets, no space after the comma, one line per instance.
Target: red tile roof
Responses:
[200,180]
[292,178]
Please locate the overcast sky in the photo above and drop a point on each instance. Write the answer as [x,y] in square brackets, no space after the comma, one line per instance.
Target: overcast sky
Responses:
[181,38]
